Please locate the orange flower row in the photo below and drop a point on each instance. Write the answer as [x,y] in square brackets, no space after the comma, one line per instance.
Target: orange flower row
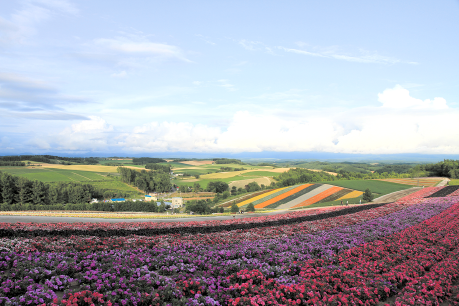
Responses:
[319,196]
[282,196]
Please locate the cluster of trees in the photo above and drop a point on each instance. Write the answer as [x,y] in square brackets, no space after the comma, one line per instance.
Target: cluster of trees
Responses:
[24,192]
[448,168]
[227,161]
[299,176]
[396,168]
[155,166]
[101,206]
[146,160]
[229,169]
[51,159]
[157,181]
[203,207]
[11,163]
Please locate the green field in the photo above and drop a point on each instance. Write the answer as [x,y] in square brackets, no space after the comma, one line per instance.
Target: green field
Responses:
[115,184]
[453,182]
[260,173]
[56,175]
[379,187]
[52,176]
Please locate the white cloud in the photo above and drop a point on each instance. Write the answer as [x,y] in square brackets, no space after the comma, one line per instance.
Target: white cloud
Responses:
[138,45]
[121,74]
[171,137]
[92,134]
[250,45]
[414,126]
[400,124]
[363,57]
[226,84]
[398,97]
[23,23]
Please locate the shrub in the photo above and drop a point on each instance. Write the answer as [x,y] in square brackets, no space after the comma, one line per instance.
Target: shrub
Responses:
[367,195]
[250,207]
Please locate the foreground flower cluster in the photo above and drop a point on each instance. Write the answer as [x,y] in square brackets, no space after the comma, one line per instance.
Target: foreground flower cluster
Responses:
[402,253]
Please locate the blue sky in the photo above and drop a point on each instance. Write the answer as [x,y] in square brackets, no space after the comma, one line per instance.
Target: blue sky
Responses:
[365,77]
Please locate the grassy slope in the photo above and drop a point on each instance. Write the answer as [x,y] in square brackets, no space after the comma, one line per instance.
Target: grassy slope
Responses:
[50,175]
[453,182]
[379,187]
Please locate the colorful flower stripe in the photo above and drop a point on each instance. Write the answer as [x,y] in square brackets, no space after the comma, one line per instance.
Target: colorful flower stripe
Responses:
[94,215]
[277,200]
[285,189]
[319,197]
[251,200]
[104,226]
[454,194]
[353,194]
[94,243]
[293,196]
[335,196]
[192,275]
[244,198]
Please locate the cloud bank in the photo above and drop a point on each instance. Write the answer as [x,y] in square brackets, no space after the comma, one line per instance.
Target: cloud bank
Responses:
[400,124]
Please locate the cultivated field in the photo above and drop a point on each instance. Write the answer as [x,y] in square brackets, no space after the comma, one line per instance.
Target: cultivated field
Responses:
[422,181]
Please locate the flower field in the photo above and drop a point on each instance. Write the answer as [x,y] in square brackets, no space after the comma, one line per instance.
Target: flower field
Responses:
[401,253]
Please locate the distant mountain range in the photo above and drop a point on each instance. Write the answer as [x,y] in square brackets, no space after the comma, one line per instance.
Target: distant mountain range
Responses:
[266,156]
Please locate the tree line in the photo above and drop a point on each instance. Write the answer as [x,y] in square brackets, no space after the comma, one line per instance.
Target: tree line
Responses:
[146,160]
[155,166]
[12,163]
[446,168]
[147,181]
[51,159]
[25,192]
[227,161]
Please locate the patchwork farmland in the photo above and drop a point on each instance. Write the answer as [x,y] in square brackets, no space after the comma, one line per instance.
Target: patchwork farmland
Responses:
[311,195]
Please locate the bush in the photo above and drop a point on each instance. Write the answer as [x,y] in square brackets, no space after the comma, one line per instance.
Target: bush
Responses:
[250,207]
[234,208]
[367,195]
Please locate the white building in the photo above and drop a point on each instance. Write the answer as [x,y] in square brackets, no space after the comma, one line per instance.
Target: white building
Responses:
[177,202]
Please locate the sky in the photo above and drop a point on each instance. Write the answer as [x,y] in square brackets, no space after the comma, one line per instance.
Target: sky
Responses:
[142,77]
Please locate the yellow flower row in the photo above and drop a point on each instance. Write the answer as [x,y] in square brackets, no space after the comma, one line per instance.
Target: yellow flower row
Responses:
[350,195]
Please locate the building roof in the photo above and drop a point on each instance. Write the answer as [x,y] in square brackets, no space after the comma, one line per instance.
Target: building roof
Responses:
[118,199]
[148,196]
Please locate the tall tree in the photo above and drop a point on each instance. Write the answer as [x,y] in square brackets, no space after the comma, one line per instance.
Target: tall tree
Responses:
[24,187]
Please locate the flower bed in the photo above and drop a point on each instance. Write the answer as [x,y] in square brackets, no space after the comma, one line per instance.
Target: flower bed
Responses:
[403,251]
[260,198]
[282,196]
[298,194]
[444,192]
[319,197]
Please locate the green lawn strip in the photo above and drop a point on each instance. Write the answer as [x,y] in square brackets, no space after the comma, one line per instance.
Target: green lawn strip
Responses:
[333,203]
[261,173]
[335,196]
[293,196]
[379,187]
[204,182]
[113,185]
[193,171]
[453,182]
